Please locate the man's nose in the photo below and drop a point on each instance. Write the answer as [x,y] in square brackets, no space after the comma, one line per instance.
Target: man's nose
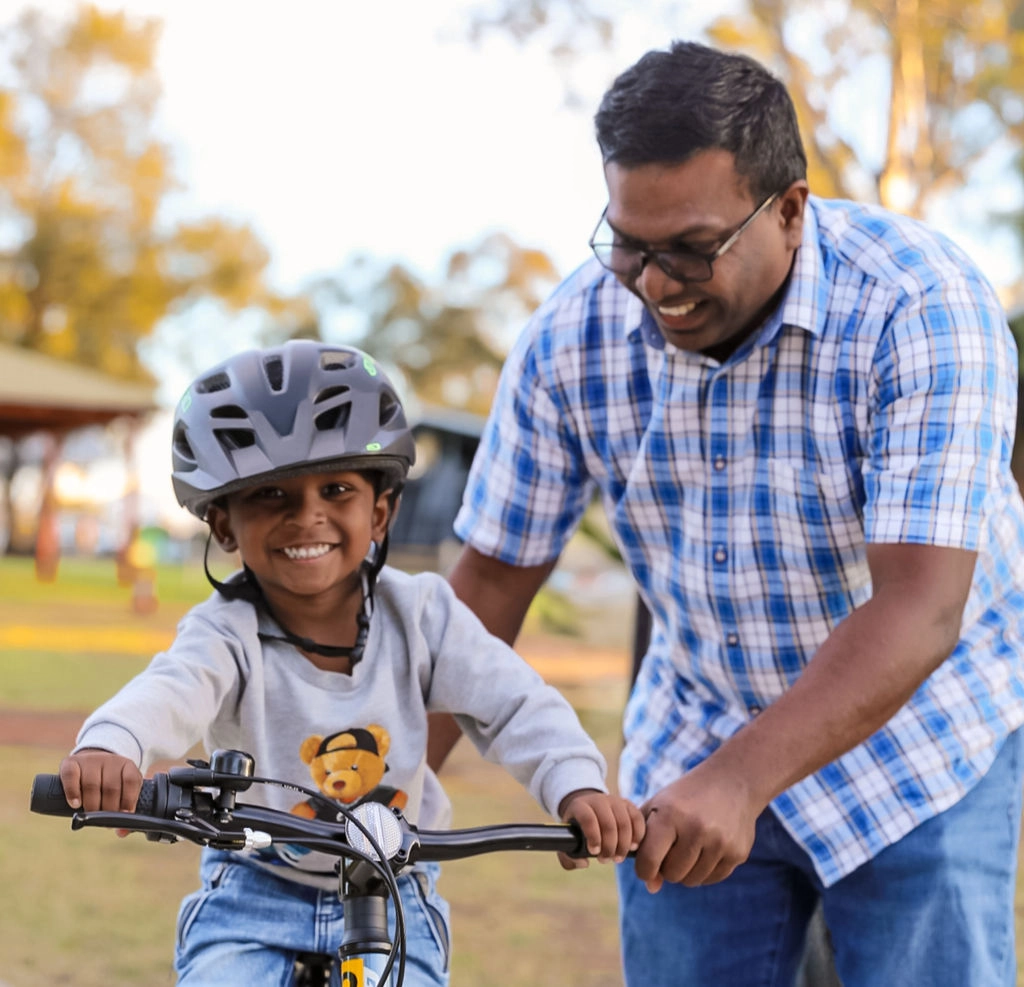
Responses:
[652,282]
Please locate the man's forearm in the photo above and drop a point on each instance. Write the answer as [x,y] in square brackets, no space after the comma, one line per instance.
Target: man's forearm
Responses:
[442,735]
[498,593]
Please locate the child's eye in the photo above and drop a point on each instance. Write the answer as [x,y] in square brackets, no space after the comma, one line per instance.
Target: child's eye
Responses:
[336,489]
[265,493]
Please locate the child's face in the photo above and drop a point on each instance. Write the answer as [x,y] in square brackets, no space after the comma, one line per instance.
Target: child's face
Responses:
[303,536]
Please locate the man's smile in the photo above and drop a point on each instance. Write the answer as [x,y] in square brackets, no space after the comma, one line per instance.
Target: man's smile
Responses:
[677,311]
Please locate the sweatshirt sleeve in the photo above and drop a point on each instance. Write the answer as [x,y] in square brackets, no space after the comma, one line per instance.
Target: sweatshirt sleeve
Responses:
[505,708]
[165,710]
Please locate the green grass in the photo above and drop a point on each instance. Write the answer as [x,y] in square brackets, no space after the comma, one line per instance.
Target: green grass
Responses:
[94,581]
[55,680]
[89,910]
[86,909]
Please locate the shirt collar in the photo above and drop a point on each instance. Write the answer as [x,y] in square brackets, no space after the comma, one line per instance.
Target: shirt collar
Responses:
[639,324]
[805,302]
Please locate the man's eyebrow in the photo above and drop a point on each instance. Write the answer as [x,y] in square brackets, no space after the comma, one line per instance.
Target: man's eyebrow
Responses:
[691,233]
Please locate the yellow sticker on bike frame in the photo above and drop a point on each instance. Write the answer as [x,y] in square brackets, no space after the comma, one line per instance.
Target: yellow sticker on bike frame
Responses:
[352,972]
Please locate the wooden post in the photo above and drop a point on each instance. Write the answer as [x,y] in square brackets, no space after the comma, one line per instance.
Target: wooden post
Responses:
[136,561]
[47,550]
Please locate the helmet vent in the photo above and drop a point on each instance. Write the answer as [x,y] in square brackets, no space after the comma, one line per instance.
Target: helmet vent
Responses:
[182,446]
[215,382]
[330,392]
[274,369]
[338,360]
[336,417]
[235,438]
[389,408]
[228,411]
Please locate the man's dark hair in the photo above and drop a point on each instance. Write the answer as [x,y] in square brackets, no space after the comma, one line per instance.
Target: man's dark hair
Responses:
[672,104]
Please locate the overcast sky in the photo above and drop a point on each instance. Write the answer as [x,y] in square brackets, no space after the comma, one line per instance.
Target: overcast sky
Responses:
[336,128]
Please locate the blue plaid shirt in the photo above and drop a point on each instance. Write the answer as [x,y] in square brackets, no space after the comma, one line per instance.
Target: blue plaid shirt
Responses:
[877,404]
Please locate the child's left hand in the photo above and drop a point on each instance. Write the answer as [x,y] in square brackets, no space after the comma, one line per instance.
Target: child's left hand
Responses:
[612,826]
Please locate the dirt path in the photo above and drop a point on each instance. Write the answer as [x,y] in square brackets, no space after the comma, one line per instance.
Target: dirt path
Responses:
[28,728]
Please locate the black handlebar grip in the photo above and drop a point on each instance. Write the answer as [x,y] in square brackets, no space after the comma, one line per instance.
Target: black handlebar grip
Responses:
[48,797]
[147,804]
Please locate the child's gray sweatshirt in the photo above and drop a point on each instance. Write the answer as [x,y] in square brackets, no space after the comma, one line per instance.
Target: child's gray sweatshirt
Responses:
[352,737]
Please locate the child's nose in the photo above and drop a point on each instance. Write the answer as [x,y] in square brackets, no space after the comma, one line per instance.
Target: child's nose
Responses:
[306,507]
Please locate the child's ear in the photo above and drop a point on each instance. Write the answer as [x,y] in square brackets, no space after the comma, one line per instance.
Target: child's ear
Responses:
[384,511]
[220,526]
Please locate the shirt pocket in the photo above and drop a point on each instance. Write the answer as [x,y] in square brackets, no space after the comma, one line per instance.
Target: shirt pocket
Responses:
[817,522]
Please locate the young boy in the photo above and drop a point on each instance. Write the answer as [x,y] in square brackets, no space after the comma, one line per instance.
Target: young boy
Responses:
[322,663]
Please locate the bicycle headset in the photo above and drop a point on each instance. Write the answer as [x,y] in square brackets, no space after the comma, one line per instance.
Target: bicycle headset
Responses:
[269,414]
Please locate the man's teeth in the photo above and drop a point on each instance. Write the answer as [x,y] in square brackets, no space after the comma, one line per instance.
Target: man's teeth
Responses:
[675,311]
[307,551]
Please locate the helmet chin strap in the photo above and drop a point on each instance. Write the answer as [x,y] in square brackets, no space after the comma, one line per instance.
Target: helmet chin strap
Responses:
[245,586]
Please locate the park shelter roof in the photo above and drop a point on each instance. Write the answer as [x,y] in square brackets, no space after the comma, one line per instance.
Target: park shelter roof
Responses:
[41,393]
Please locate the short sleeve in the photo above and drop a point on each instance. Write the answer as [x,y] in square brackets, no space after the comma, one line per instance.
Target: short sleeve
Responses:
[943,416]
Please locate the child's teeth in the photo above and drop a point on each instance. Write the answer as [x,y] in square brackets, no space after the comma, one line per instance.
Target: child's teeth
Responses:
[307,552]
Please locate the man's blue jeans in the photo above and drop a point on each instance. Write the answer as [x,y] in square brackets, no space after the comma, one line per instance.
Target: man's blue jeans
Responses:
[933,910]
[245,926]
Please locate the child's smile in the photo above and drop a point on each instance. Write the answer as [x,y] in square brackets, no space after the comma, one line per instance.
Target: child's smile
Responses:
[305,537]
[306,552]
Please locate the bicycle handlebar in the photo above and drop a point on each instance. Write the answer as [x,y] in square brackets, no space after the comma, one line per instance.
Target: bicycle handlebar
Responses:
[199,803]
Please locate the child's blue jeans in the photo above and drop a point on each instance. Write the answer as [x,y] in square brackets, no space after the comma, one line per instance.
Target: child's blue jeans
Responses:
[245,925]
[933,910]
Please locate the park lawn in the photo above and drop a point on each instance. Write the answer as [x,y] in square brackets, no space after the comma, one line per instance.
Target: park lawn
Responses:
[89,910]
[96,911]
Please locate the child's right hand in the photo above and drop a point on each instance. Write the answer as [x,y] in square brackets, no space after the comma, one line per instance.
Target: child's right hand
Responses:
[612,826]
[99,780]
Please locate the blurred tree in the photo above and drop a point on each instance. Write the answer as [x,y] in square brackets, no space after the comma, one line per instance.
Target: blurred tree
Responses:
[449,339]
[88,263]
[952,88]
[899,100]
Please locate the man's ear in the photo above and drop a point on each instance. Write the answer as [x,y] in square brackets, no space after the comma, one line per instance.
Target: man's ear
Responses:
[792,204]
[220,526]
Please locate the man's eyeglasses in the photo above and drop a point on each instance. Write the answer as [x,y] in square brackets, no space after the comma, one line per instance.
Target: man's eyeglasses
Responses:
[680,263]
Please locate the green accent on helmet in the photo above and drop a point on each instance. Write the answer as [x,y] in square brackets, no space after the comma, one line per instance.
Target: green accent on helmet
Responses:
[186,401]
[369,366]
[373,447]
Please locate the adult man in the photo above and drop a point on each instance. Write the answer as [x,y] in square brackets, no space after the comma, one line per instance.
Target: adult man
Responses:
[799,415]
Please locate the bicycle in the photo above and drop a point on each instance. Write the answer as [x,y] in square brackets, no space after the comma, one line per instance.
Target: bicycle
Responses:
[199,802]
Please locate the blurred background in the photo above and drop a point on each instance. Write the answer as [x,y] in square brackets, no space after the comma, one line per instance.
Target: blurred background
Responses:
[178,181]
[181,181]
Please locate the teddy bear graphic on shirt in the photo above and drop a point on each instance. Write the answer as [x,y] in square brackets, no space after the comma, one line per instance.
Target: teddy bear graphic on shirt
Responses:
[348,767]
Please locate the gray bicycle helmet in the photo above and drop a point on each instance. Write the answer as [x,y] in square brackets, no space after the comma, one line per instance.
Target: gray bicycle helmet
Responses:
[273,413]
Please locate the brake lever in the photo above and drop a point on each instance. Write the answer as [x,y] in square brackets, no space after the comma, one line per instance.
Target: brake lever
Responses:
[194,829]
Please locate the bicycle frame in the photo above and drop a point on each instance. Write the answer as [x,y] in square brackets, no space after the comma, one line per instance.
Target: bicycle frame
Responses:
[375,844]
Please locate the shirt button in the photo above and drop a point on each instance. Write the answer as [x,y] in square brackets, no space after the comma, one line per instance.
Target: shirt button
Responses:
[719,463]
[732,639]
[754,710]
[720,554]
